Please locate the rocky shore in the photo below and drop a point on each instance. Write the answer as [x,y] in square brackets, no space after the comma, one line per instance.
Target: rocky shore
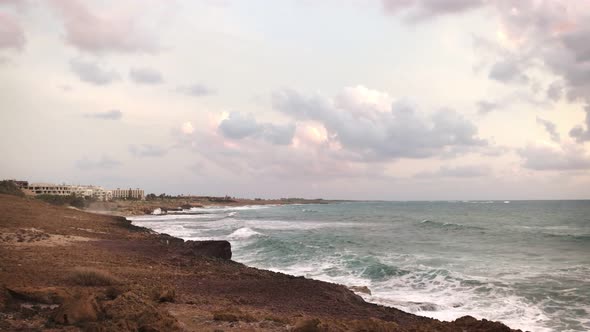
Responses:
[138,207]
[67,270]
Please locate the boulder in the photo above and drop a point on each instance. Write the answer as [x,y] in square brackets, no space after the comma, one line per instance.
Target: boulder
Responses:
[217,249]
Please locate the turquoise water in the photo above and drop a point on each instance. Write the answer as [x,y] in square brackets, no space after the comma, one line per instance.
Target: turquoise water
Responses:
[525,263]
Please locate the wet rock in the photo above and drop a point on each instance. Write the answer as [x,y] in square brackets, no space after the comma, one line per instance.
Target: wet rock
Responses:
[217,249]
[360,289]
[468,323]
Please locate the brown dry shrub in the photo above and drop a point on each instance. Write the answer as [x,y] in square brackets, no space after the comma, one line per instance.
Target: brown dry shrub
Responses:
[87,276]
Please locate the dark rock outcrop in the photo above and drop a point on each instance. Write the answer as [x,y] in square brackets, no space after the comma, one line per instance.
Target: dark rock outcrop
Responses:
[217,249]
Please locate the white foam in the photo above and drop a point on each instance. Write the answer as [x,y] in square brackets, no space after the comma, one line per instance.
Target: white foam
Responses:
[243,233]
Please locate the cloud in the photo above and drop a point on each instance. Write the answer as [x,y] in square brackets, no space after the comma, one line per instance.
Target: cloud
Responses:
[484,106]
[196,90]
[580,134]
[487,106]
[420,10]
[551,128]
[547,158]
[145,76]
[374,134]
[507,71]
[470,171]
[110,115]
[239,126]
[94,32]
[12,34]
[147,150]
[548,36]
[555,91]
[90,72]
[187,128]
[104,162]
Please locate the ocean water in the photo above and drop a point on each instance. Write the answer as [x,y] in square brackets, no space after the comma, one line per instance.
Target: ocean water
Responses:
[524,263]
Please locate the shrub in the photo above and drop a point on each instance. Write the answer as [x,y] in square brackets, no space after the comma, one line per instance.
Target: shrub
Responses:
[88,276]
[72,200]
[8,187]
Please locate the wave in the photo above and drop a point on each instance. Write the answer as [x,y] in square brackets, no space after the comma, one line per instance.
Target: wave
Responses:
[449,225]
[243,233]
[583,238]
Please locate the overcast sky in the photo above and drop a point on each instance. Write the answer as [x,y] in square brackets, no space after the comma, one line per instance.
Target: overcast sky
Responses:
[381,99]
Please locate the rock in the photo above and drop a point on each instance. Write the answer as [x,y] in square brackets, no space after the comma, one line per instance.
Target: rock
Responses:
[83,308]
[360,289]
[217,249]
[468,323]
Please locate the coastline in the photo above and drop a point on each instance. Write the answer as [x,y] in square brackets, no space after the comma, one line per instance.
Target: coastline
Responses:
[138,207]
[170,284]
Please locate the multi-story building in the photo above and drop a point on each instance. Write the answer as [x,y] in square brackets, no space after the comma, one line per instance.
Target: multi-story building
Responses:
[96,192]
[128,193]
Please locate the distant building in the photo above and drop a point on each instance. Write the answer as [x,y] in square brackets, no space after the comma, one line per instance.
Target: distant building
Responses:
[128,194]
[95,192]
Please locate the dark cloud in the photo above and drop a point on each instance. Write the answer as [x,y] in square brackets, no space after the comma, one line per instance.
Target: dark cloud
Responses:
[145,76]
[376,135]
[12,34]
[543,158]
[147,150]
[196,90]
[555,91]
[470,171]
[551,129]
[487,106]
[579,133]
[90,72]
[419,10]
[484,106]
[90,32]
[104,162]
[507,71]
[109,115]
[239,126]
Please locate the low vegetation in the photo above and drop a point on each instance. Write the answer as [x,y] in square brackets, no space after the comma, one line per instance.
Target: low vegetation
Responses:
[93,277]
[71,200]
[8,187]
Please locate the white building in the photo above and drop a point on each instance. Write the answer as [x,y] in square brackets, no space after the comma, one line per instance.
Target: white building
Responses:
[128,193]
[96,192]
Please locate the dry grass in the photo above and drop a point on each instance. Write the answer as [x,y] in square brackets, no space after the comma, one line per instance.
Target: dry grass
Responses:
[87,276]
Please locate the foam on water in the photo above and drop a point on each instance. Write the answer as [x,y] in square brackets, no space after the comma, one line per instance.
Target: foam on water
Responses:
[243,233]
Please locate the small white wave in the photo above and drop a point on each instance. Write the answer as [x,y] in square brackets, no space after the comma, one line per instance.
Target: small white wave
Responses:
[230,208]
[243,233]
[157,211]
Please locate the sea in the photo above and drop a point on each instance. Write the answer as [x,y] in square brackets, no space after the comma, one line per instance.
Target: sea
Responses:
[524,263]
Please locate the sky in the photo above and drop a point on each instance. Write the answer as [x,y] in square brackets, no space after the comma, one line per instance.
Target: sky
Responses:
[339,99]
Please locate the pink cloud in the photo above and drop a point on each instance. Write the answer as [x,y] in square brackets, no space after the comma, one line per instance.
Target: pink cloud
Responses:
[95,32]
[11,33]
